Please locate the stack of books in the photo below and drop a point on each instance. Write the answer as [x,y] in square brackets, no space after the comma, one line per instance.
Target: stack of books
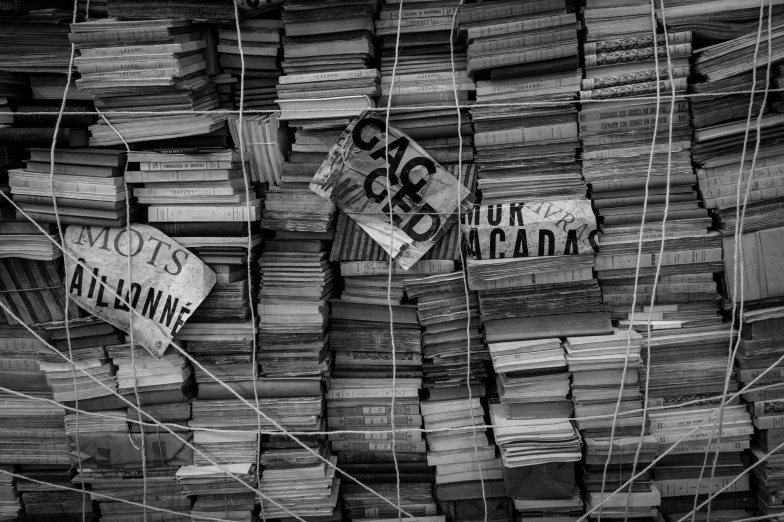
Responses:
[218,493]
[128,486]
[296,284]
[759,350]
[604,20]
[524,57]
[164,380]
[297,480]
[33,431]
[261,50]
[599,387]
[10,505]
[417,78]
[712,23]
[45,498]
[42,281]
[265,142]
[694,378]
[153,65]
[35,41]
[87,348]
[417,499]
[88,184]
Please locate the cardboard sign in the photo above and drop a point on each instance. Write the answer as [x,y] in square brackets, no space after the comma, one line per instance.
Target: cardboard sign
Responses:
[542,228]
[167,281]
[422,194]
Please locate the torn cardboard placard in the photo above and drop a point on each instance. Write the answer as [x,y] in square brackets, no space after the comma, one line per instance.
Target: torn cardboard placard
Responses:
[542,228]
[167,282]
[422,194]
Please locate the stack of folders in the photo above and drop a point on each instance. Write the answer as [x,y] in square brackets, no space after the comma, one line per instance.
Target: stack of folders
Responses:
[218,490]
[694,378]
[92,374]
[298,481]
[296,283]
[423,77]
[153,65]
[450,320]
[10,505]
[524,57]
[261,49]
[380,504]
[720,139]
[48,493]
[599,387]
[219,454]
[223,349]
[32,430]
[163,380]
[88,185]
[328,50]
[127,486]
[760,348]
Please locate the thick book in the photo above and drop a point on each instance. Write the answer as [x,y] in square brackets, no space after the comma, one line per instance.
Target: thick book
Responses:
[547,326]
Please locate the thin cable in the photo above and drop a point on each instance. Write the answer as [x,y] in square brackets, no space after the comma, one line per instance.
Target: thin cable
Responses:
[254,365]
[391,258]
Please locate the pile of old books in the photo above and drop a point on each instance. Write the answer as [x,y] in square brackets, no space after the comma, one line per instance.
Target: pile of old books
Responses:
[47,493]
[10,505]
[88,185]
[261,49]
[524,56]
[153,65]
[163,380]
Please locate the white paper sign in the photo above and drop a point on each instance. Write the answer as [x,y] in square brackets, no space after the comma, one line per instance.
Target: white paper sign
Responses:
[167,281]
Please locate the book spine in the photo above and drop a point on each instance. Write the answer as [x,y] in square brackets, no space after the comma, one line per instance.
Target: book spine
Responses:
[376,512]
[522,86]
[412,447]
[194,165]
[144,73]
[637,111]
[765,407]
[371,393]
[535,55]
[19,364]
[217,191]
[425,89]
[700,447]
[118,35]
[213,213]
[520,26]
[522,42]
[402,420]
[328,76]
[637,89]
[764,395]
[110,67]
[689,423]
[527,135]
[417,13]
[633,123]
[708,485]
[636,55]
[636,42]
[649,75]
[769,422]
[704,433]
[408,436]
[63,186]
[354,411]
[414,23]
[711,180]
[633,151]
[459,75]
[176,177]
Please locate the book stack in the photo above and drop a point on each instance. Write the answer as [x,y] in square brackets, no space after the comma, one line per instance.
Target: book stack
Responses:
[423,91]
[225,86]
[266,143]
[150,65]
[128,486]
[88,185]
[10,505]
[36,41]
[597,365]
[694,378]
[163,380]
[261,49]
[524,57]
[416,499]
[202,10]
[87,348]
[46,495]
[217,493]
[759,350]
[298,481]
[32,430]
[295,285]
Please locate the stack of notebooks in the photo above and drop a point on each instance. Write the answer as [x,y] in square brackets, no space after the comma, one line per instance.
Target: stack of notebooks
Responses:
[45,498]
[299,482]
[599,387]
[327,50]
[163,380]
[163,492]
[219,494]
[88,184]
[450,321]
[688,368]
[296,284]
[223,349]
[524,57]
[261,49]
[32,430]
[761,346]
[153,65]
[95,378]
[417,79]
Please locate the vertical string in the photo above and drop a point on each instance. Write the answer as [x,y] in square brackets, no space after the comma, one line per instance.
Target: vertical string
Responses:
[66,309]
[391,259]
[250,247]
[460,251]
